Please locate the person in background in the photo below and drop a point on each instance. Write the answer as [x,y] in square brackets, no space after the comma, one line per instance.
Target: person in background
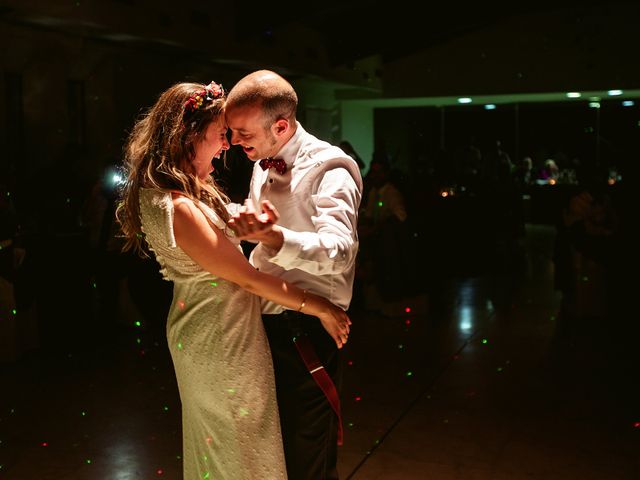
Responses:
[349,150]
[383,235]
[171,204]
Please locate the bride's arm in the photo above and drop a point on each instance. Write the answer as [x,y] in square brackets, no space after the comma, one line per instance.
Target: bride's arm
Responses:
[211,249]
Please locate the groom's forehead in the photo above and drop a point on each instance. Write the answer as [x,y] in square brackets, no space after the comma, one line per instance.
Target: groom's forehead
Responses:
[243,117]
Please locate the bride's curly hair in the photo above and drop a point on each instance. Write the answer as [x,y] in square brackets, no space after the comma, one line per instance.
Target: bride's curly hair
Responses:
[160,150]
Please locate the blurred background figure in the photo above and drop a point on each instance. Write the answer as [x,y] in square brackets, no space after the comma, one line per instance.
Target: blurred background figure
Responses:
[18,328]
[550,171]
[523,172]
[349,150]
[384,256]
[468,163]
[385,202]
[106,268]
[497,165]
[586,246]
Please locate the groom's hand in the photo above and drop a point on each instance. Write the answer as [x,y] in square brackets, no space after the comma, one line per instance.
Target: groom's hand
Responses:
[249,225]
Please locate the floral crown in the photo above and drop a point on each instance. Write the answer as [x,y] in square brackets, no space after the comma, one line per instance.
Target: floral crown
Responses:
[195,101]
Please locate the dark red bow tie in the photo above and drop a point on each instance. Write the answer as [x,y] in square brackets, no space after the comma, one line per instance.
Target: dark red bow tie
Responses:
[276,163]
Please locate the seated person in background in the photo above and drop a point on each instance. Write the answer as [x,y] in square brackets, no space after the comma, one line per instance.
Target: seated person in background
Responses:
[550,172]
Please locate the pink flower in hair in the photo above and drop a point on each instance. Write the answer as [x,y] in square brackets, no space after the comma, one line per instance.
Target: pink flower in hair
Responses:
[210,93]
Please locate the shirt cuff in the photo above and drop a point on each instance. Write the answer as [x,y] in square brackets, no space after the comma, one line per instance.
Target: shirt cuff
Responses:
[290,250]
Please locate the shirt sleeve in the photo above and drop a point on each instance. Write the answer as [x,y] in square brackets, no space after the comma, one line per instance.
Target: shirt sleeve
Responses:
[332,247]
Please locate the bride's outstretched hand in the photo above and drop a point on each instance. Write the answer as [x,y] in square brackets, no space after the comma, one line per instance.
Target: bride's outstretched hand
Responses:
[336,322]
[249,224]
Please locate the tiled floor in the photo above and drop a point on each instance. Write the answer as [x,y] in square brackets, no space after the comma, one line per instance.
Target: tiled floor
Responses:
[487,381]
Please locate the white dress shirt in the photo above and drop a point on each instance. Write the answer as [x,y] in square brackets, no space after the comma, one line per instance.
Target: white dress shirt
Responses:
[318,198]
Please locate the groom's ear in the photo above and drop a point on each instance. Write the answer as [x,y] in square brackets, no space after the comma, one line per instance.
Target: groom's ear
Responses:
[280,126]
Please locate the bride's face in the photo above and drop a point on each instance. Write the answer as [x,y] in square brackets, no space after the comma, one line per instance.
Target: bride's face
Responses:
[210,147]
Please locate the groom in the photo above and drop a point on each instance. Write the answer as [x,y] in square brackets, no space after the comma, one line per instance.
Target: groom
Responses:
[316,188]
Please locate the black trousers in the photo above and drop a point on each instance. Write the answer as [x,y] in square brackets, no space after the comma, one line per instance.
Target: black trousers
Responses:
[309,424]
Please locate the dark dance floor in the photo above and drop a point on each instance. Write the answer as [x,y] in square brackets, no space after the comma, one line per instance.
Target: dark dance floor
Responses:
[486,377]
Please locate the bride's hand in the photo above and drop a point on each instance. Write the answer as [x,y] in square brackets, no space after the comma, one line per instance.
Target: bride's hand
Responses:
[336,322]
[248,222]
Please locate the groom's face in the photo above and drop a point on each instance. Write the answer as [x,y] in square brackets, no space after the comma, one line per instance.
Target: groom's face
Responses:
[248,129]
